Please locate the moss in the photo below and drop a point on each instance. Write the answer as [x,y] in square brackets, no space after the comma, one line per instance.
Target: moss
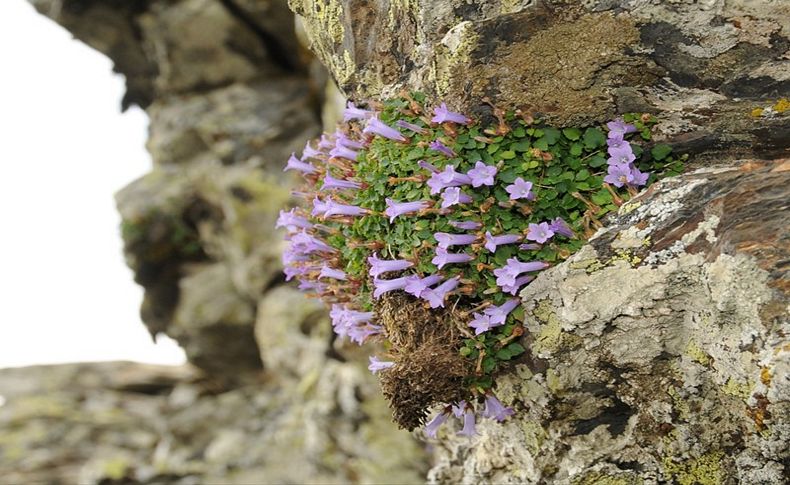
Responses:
[738,389]
[705,470]
[694,351]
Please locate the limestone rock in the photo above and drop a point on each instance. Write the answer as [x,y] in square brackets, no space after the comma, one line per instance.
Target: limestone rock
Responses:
[658,353]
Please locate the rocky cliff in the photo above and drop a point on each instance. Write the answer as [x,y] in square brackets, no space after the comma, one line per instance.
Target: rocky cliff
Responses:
[658,353]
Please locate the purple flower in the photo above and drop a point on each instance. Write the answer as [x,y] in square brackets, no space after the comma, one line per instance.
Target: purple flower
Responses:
[498,314]
[452,196]
[319,207]
[384,286]
[307,244]
[493,241]
[353,113]
[619,127]
[432,427]
[639,178]
[443,115]
[622,155]
[325,143]
[444,258]
[331,183]
[395,209]
[529,246]
[469,424]
[292,221]
[333,208]
[327,272]
[508,274]
[440,147]
[482,174]
[341,140]
[481,323]
[291,271]
[360,333]
[311,286]
[293,255]
[409,126]
[540,232]
[520,189]
[466,225]
[435,297]
[447,178]
[378,128]
[458,409]
[298,165]
[427,166]
[416,286]
[309,151]
[518,283]
[619,174]
[380,266]
[616,144]
[377,365]
[446,240]
[559,226]
[495,410]
[343,152]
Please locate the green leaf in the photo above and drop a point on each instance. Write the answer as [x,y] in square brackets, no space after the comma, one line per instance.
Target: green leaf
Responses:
[541,144]
[465,351]
[489,364]
[583,174]
[572,134]
[551,135]
[503,354]
[515,348]
[594,138]
[661,151]
[602,197]
[508,155]
[597,161]
[576,149]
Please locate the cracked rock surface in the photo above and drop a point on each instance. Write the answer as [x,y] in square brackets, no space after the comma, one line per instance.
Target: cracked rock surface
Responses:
[659,352]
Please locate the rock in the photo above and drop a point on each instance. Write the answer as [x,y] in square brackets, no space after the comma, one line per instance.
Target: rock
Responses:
[658,352]
[702,67]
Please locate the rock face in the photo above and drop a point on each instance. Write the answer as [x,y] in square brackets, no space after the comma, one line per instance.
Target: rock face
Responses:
[121,422]
[701,66]
[230,94]
[659,352]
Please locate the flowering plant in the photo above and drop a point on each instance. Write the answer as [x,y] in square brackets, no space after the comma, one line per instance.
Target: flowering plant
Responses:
[420,227]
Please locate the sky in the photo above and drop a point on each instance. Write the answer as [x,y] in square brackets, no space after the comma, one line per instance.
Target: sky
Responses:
[65,149]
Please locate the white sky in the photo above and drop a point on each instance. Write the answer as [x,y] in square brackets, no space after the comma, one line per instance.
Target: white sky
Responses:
[65,293]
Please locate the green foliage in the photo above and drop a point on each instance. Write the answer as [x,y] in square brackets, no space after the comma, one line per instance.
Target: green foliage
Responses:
[566,166]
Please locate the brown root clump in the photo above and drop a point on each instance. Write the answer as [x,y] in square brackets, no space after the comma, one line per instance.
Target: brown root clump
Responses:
[428,368]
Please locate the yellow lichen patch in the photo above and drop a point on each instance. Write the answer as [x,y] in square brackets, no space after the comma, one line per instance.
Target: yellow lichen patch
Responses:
[629,207]
[534,436]
[782,105]
[738,389]
[627,256]
[550,335]
[765,376]
[757,112]
[696,353]
[679,404]
[452,54]
[598,478]
[705,470]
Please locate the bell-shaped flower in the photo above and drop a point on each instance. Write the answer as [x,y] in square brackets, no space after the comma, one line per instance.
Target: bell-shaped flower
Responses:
[443,115]
[446,240]
[482,174]
[498,314]
[440,147]
[448,177]
[291,221]
[310,152]
[559,226]
[433,426]
[416,286]
[298,165]
[540,233]
[381,266]
[436,296]
[376,127]
[452,196]
[619,174]
[351,112]
[466,225]
[621,156]
[443,258]
[327,272]
[493,241]
[384,286]
[340,151]
[336,209]
[619,128]
[342,140]
[332,183]
[377,365]
[638,178]
[395,209]
[481,323]
[427,166]
[520,189]
[469,429]
[495,409]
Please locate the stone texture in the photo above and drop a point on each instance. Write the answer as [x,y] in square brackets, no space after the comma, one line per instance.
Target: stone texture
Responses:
[124,422]
[701,66]
[658,353]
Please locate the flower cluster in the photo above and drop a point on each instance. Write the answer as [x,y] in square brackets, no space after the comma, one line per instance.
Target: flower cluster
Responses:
[457,216]
[466,412]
